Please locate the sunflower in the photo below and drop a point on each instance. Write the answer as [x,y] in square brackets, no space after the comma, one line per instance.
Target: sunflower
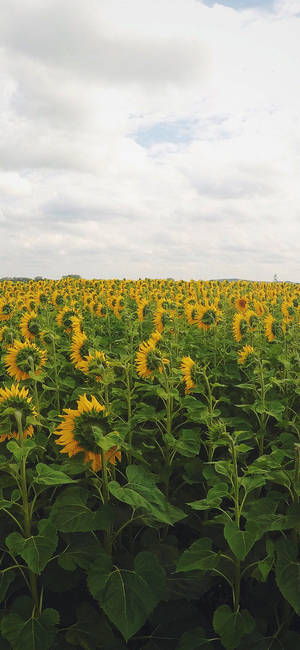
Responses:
[244,353]
[29,325]
[149,359]
[270,327]
[101,310]
[15,398]
[142,309]
[76,432]
[188,368]
[241,303]
[79,349]
[6,310]
[207,315]
[259,308]
[158,318]
[252,319]
[191,313]
[20,357]
[64,318]
[76,324]
[93,363]
[239,326]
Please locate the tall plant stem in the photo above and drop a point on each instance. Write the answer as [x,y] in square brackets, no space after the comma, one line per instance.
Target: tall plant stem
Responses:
[55,374]
[26,512]
[237,515]
[106,498]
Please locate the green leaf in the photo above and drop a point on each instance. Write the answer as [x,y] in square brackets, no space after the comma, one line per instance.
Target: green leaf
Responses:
[80,551]
[92,630]
[287,571]
[194,639]
[23,451]
[99,573]
[49,476]
[37,549]
[198,556]
[232,626]
[5,581]
[142,493]
[30,634]
[188,443]
[130,596]
[240,541]
[71,514]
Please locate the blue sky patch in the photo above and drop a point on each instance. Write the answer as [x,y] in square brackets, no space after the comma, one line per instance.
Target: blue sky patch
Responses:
[242,4]
[177,132]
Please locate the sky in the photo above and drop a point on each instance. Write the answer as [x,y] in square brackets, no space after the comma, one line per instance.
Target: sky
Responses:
[150,138]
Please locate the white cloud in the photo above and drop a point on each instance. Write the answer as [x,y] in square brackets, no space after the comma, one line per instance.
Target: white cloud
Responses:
[78,193]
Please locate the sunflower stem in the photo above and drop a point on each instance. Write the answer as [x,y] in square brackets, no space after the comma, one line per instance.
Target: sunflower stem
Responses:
[55,373]
[106,498]
[26,512]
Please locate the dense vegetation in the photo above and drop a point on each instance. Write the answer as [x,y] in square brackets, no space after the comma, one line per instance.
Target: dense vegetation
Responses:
[150,465]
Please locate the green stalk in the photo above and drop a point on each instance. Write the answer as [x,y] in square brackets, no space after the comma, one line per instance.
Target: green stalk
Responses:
[26,512]
[237,514]
[55,374]
[129,410]
[106,498]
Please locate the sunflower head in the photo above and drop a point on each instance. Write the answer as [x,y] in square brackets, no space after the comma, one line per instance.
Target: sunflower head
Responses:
[241,303]
[29,326]
[80,429]
[207,316]
[149,359]
[188,369]
[79,349]
[244,354]
[272,328]
[22,358]
[239,326]
[94,363]
[17,399]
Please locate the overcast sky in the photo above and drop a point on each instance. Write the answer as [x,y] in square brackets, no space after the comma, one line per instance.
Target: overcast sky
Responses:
[150,138]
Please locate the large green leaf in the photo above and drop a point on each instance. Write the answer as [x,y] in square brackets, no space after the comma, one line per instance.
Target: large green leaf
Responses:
[6,578]
[240,541]
[198,556]
[30,634]
[71,514]
[127,597]
[287,572]
[92,630]
[48,476]
[232,626]
[80,551]
[142,493]
[194,639]
[37,549]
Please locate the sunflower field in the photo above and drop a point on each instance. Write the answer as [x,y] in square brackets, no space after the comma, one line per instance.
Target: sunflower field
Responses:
[149,465]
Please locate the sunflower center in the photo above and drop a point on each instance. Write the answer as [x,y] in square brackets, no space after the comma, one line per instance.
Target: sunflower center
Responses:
[59,300]
[153,360]
[84,349]
[243,326]
[24,357]
[66,319]
[209,317]
[84,433]
[33,327]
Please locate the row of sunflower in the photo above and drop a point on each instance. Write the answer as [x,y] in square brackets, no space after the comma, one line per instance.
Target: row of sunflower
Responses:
[136,418]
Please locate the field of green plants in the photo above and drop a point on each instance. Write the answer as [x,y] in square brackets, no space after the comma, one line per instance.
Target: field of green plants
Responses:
[149,465]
